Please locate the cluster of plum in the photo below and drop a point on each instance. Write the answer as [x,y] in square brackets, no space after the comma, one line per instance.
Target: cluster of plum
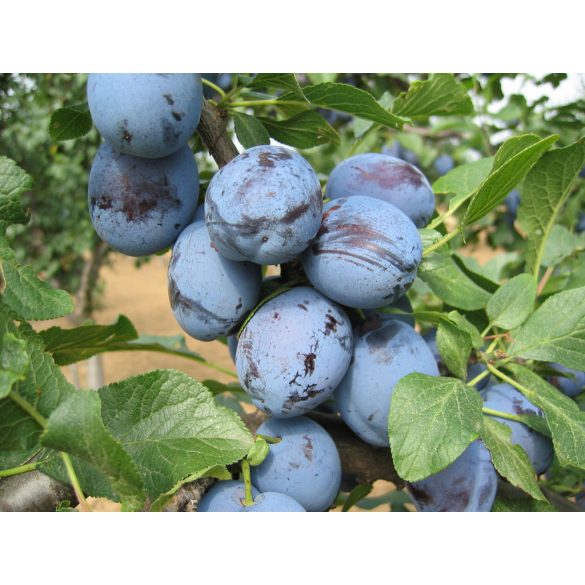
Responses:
[320,335]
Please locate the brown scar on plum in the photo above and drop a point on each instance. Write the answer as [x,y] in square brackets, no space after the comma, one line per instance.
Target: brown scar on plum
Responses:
[391,175]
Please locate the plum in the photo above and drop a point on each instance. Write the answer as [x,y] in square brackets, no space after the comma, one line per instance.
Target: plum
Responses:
[140,206]
[143,114]
[293,352]
[265,206]
[273,502]
[570,386]
[380,359]
[468,484]
[305,464]
[366,253]
[225,496]
[210,295]
[505,398]
[386,178]
[512,202]
[443,164]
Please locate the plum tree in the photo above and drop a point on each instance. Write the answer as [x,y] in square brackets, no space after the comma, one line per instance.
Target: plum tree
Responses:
[305,463]
[273,502]
[571,384]
[366,253]
[380,359]
[140,206]
[196,273]
[293,352]
[468,484]
[473,369]
[387,178]
[505,398]
[224,496]
[146,115]
[264,206]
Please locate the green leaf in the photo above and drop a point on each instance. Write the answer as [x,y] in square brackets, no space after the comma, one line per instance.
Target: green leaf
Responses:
[454,346]
[68,346]
[450,283]
[250,131]
[285,81]
[14,362]
[441,95]
[563,416]
[349,99]
[511,461]
[555,332]
[463,181]
[513,302]
[560,244]
[512,162]
[509,504]
[258,452]
[217,471]
[171,427]
[546,189]
[304,130]
[359,492]
[76,427]
[32,298]
[70,123]
[13,183]
[432,421]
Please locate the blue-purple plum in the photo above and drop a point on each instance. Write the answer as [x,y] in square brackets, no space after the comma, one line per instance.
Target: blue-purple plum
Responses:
[273,502]
[473,369]
[145,114]
[380,359]
[386,178]
[305,464]
[398,151]
[512,202]
[376,318]
[468,484]
[293,352]
[580,227]
[210,295]
[225,496]
[571,386]
[140,206]
[366,253]
[505,398]
[264,206]
[443,164]
[232,343]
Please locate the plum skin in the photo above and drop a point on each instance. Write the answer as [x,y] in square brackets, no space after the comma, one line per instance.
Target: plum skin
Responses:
[305,464]
[224,496]
[293,352]
[196,273]
[505,398]
[469,484]
[366,253]
[568,386]
[140,206]
[273,502]
[380,359]
[264,206]
[386,178]
[143,114]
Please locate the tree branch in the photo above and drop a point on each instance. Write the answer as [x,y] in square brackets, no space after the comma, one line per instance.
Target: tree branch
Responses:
[211,128]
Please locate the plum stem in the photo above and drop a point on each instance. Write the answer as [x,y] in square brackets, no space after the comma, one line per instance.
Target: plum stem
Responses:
[526,391]
[214,87]
[20,469]
[478,378]
[500,414]
[248,498]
